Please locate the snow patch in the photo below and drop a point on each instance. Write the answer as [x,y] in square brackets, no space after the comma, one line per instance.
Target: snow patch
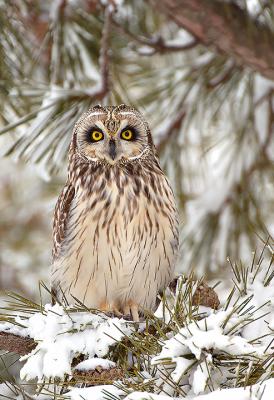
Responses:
[61,335]
[93,363]
[94,393]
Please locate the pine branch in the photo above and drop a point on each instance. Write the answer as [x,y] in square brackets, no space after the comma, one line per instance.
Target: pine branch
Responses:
[204,296]
[24,345]
[221,25]
[104,53]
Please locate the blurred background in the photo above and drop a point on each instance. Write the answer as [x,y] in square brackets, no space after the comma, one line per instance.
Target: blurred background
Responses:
[202,73]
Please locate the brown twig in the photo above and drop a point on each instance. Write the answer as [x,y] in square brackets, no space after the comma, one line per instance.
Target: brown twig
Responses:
[227,28]
[172,129]
[157,44]
[221,79]
[104,53]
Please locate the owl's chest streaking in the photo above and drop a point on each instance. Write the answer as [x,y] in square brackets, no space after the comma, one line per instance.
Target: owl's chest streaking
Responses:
[121,239]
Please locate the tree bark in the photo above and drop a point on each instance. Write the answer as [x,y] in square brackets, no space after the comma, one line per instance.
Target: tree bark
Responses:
[16,344]
[227,28]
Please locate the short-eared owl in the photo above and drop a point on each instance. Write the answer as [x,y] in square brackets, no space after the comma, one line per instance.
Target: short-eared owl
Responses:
[115,224]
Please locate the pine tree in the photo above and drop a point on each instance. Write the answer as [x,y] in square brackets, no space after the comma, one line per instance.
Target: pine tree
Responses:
[202,72]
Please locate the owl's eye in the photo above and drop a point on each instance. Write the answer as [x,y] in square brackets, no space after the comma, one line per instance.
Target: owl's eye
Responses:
[127,134]
[96,136]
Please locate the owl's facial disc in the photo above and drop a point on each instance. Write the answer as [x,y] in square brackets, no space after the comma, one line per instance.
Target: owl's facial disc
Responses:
[112,137]
[113,146]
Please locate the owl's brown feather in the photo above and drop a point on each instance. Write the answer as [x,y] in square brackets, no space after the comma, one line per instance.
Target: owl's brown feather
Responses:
[61,215]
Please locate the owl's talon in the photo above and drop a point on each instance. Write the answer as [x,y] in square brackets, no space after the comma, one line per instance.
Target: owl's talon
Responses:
[131,311]
[113,314]
[127,317]
[110,310]
[109,314]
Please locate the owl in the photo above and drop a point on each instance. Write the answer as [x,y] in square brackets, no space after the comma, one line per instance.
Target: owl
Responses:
[115,231]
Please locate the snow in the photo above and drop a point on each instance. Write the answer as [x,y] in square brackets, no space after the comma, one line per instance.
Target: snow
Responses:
[99,392]
[61,335]
[187,359]
[93,363]
[147,396]
[262,391]
[261,294]
[201,338]
[201,376]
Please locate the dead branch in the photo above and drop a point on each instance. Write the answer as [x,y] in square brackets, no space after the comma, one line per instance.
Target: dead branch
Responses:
[98,376]
[16,344]
[157,44]
[227,28]
[204,295]
[104,52]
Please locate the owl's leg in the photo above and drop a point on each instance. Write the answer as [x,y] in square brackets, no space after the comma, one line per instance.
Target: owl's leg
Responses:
[131,308]
[135,312]
[110,309]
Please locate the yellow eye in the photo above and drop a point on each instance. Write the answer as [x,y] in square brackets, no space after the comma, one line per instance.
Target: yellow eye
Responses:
[127,134]
[96,136]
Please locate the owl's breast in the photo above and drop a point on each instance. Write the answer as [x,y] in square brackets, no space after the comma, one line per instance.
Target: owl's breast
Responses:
[122,236]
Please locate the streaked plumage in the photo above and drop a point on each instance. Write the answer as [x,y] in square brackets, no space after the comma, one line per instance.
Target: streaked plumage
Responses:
[115,223]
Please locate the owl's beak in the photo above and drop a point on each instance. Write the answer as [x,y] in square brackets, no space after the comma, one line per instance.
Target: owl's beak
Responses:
[112,149]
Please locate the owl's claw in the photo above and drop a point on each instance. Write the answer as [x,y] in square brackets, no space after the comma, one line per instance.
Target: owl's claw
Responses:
[127,317]
[130,311]
[110,310]
[112,314]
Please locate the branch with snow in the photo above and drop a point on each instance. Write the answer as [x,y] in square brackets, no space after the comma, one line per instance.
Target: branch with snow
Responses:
[61,335]
[185,349]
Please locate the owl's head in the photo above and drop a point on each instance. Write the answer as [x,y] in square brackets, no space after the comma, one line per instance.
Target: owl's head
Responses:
[112,134]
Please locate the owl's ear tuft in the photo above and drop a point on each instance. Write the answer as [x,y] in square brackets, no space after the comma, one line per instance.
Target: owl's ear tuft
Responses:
[96,107]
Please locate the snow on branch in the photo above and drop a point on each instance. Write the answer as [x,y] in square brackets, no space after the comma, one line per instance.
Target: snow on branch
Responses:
[262,391]
[16,339]
[60,336]
[182,350]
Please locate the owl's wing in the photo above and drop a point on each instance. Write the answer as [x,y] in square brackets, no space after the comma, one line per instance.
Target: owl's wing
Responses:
[61,215]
